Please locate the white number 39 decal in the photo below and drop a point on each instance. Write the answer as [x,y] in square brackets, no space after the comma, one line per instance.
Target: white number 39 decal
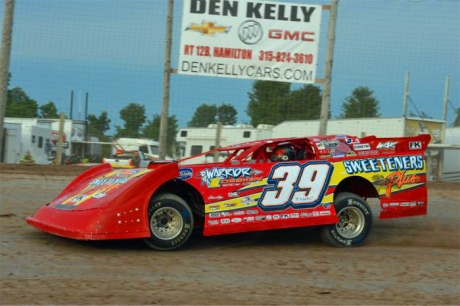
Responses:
[297,185]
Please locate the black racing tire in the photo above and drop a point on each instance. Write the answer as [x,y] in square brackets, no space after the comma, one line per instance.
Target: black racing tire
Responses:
[170,222]
[355,222]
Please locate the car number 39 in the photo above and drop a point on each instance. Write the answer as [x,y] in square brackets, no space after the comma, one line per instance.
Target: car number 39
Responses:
[296,185]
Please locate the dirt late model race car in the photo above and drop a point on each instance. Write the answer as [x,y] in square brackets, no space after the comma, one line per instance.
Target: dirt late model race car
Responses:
[261,185]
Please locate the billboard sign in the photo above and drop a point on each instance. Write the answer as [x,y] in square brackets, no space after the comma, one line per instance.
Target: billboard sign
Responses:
[264,40]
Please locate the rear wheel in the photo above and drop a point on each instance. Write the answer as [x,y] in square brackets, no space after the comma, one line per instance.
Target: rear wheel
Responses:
[170,222]
[355,222]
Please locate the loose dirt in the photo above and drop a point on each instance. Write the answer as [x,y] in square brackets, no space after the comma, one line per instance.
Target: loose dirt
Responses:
[405,261]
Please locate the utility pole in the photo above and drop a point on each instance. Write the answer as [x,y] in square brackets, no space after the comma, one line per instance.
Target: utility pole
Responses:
[405,100]
[4,69]
[166,78]
[444,127]
[328,69]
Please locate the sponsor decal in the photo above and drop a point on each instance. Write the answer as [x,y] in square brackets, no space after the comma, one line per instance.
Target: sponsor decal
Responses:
[421,203]
[215,177]
[352,140]
[389,145]
[269,217]
[237,220]
[315,214]
[325,213]
[405,204]
[224,221]
[397,163]
[362,147]
[294,215]
[320,146]
[108,181]
[261,218]
[276,217]
[394,204]
[214,215]
[366,153]
[185,173]
[215,197]
[214,207]
[252,212]
[399,178]
[226,214]
[284,216]
[247,200]
[213,222]
[415,145]
[305,214]
[100,195]
[238,213]
[233,194]
[248,219]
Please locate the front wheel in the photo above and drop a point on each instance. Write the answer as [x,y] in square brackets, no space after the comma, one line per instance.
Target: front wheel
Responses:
[355,222]
[170,222]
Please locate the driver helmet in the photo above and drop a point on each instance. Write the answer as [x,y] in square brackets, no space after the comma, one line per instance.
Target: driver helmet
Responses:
[282,153]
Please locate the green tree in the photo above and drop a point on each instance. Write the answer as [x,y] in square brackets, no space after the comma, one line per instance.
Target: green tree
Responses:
[49,111]
[302,104]
[266,102]
[208,114]
[134,117]
[152,131]
[98,126]
[360,104]
[20,105]
[457,119]
[227,114]
[204,115]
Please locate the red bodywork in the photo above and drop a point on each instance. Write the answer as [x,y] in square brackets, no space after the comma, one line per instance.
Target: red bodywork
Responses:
[246,192]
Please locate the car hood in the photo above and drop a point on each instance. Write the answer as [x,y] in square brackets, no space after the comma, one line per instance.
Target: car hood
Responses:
[99,191]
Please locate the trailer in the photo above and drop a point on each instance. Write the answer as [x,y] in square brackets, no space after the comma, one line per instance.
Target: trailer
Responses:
[195,140]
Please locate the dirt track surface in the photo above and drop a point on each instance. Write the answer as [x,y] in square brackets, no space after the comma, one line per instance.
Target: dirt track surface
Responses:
[405,261]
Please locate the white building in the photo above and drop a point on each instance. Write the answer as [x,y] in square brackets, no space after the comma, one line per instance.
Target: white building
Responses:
[39,137]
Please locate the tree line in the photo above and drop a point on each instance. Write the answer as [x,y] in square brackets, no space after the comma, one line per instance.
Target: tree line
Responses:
[269,102]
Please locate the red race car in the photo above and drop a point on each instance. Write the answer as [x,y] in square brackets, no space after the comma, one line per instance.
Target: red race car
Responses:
[261,185]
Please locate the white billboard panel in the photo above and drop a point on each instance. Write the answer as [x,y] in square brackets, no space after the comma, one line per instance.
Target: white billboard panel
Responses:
[264,40]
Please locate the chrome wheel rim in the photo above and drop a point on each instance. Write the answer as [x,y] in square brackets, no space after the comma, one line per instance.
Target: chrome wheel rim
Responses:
[351,222]
[166,223]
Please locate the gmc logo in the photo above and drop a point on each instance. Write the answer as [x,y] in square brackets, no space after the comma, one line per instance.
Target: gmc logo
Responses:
[290,35]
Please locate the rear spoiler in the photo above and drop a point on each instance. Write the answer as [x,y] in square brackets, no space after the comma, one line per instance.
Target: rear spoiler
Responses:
[399,144]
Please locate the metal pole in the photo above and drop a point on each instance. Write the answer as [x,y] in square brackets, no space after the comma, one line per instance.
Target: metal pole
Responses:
[4,68]
[446,98]
[328,69]
[405,100]
[444,127]
[71,105]
[85,146]
[166,78]
[58,159]
[217,143]
[406,94]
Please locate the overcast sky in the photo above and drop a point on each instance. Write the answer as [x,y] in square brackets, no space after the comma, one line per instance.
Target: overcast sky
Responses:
[114,50]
